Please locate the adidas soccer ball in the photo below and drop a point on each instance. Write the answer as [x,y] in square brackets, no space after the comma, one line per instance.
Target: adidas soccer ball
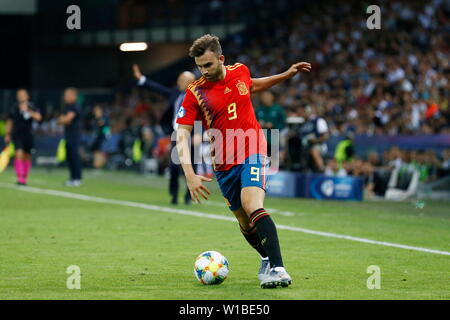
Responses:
[211,267]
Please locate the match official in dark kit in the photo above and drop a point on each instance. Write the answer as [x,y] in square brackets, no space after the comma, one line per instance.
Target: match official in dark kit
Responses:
[175,97]
[71,119]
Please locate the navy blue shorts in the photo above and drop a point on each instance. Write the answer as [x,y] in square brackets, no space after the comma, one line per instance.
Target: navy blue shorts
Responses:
[252,173]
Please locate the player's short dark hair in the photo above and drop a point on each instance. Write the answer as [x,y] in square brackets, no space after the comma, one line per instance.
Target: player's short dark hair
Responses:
[204,43]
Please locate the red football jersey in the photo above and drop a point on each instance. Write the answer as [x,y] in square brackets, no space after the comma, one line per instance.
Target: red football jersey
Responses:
[226,111]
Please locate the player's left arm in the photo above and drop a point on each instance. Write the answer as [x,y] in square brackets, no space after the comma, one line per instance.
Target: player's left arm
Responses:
[261,84]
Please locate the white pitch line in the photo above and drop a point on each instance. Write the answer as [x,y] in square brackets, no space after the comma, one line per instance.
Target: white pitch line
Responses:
[210,216]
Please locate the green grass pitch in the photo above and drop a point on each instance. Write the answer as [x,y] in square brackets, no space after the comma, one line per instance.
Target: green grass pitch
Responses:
[127,252]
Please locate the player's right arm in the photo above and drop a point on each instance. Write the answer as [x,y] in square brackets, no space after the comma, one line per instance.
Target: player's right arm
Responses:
[194,182]
[186,117]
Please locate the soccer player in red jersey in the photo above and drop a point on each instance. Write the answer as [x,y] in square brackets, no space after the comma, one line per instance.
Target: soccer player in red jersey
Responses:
[221,100]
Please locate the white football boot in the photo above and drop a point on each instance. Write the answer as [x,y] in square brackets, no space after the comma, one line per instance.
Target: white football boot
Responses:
[276,277]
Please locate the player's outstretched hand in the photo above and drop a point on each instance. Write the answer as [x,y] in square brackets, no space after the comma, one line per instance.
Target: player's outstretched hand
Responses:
[196,187]
[137,72]
[299,67]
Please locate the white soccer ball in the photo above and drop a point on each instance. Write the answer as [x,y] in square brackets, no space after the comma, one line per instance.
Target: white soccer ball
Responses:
[211,267]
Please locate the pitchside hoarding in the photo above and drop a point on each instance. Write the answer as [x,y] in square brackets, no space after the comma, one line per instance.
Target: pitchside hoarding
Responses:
[317,186]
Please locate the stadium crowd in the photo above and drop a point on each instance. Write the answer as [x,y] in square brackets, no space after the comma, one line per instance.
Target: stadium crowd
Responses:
[389,81]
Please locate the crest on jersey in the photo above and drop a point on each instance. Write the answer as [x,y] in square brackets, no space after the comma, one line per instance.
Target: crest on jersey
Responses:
[181,112]
[242,88]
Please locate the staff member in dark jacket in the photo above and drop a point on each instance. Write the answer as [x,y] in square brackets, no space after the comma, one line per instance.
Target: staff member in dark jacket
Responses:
[175,97]
[71,119]
[19,130]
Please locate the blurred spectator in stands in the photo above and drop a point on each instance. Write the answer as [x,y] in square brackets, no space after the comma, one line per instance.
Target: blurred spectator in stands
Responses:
[151,133]
[427,164]
[445,166]
[374,159]
[381,173]
[292,155]
[129,135]
[162,153]
[271,116]
[314,134]
[101,132]
[345,149]
[397,78]
[395,159]
[334,169]
[142,108]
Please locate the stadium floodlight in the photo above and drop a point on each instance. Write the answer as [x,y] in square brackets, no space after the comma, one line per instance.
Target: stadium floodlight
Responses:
[133,46]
